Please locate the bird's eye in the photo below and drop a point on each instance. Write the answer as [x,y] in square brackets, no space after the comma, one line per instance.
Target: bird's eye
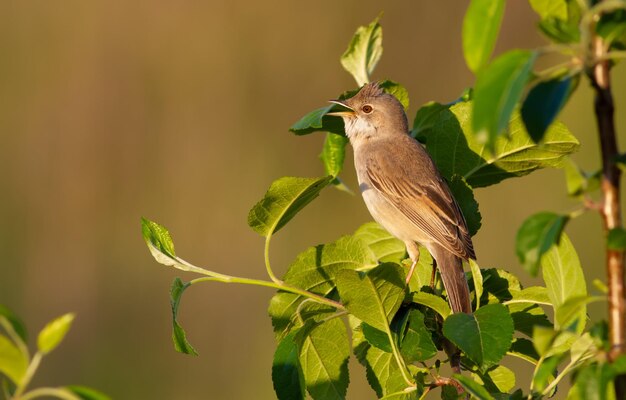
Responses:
[367,109]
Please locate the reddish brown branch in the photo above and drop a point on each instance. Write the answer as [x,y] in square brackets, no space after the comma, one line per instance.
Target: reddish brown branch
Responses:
[610,207]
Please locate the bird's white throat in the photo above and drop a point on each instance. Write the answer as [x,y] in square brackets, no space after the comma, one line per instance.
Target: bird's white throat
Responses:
[357,127]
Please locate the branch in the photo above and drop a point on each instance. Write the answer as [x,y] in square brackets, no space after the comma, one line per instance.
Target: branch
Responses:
[610,207]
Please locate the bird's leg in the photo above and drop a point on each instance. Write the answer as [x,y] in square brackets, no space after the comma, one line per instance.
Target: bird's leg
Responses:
[414,255]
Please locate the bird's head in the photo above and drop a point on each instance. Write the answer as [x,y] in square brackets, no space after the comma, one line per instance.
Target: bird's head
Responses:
[372,113]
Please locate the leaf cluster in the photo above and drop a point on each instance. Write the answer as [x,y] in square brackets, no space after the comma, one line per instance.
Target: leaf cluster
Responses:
[18,367]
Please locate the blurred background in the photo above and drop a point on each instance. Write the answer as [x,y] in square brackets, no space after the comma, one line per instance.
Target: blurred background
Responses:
[179,111]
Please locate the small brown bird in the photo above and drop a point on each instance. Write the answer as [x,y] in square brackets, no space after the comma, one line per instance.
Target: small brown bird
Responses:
[403,190]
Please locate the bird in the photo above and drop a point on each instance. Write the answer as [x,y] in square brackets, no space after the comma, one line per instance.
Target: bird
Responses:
[403,190]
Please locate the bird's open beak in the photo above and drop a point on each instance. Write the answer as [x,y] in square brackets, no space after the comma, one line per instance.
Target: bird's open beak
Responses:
[345,113]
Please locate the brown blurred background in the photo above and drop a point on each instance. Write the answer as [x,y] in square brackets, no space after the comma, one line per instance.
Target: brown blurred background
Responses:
[178,111]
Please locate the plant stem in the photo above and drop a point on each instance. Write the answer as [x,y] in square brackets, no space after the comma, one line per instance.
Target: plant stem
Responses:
[280,286]
[59,393]
[610,210]
[28,375]
[266,254]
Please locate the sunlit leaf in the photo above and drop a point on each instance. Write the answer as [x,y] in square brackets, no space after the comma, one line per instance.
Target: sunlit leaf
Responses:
[481,26]
[386,248]
[435,302]
[477,279]
[563,276]
[550,8]
[363,52]
[283,200]
[498,89]
[53,333]
[324,356]
[453,146]
[375,296]
[536,236]
[13,362]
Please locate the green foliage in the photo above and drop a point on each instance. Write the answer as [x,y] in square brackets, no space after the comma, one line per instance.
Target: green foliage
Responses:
[53,333]
[448,130]
[364,52]
[480,31]
[17,367]
[285,197]
[505,127]
[536,236]
[498,89]
[484,336]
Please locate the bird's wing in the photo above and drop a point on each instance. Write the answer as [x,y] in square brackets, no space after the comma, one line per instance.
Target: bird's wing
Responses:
[418,192]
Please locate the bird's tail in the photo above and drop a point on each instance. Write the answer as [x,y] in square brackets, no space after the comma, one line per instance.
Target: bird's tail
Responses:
[451,269]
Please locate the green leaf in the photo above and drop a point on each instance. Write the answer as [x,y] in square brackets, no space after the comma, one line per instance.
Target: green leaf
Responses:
[14,322]
[287,375]
[158,239]
[472,387]
[536,236]
[179,336]
[481,26]
[564,276]
[375,296]
[550,8]
[426,118]
[397,90]
[317,120]
[484,336]
[616,239]
[417,344]
[324,357]
[334,153]
[86,393]
[332,156]
[543,103]
[434,302]
[464,195]
[453,146]
[578,181]
[53,333]
[386,248]
[477,279]
[568,314]
[612,28]
[283,200]
[502,377]
[382,371]
[498,89]
[531,295]
[315,270]
[363,52]
[13,362]
[376,337]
